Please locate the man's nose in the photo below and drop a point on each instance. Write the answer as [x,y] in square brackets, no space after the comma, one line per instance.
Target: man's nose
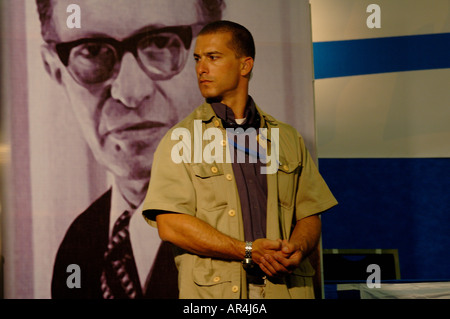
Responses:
[132,85]
[201,67]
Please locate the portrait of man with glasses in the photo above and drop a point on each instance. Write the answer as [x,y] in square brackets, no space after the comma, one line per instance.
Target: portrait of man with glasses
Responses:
[128,75]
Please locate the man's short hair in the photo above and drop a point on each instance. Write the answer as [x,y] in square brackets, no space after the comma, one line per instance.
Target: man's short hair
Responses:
[211,10]
[241,39]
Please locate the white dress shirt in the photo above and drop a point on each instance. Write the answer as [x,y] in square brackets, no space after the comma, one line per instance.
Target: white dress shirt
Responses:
[144,239]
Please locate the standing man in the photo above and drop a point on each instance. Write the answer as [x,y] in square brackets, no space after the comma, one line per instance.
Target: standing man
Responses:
[241,230]
[128,80]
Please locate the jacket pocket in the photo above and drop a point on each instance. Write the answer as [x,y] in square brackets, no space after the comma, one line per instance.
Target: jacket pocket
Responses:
[205,170]
[209,184]
[287,176]
[212,283]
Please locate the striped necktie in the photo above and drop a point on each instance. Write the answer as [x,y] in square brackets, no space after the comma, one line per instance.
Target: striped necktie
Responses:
[119,278]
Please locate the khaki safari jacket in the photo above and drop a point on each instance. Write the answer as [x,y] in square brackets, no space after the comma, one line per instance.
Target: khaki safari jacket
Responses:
[208,191]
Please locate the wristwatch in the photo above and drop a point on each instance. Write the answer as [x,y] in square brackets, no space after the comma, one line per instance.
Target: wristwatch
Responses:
[247,263]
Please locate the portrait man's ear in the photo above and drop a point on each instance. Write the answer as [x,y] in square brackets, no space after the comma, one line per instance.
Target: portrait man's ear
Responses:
[51,63]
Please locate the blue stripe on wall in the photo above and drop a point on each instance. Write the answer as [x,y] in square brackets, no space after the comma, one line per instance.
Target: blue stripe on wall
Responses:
[381,55]
[392,203]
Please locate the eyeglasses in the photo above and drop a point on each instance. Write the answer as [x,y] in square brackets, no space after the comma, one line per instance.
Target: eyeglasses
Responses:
[160,53]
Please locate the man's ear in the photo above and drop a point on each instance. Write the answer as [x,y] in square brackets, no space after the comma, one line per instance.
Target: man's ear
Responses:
[51,63]
[247,66]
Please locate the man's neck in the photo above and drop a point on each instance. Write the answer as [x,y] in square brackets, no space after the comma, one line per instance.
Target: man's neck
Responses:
[237,103]
[133,191]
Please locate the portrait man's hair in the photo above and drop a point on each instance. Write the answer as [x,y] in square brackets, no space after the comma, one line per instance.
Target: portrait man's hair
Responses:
[210,9]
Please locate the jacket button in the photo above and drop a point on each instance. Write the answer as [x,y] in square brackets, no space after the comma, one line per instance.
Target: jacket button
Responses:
[285,167]
[229,177]
[231,212]
[235,289]
[214,169]
[216,123]
[224,142]
[216,279]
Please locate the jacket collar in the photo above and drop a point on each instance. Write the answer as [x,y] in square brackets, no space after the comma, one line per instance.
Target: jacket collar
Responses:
[206,113]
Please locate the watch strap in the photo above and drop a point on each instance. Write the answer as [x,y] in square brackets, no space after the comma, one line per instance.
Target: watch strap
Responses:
[248,249]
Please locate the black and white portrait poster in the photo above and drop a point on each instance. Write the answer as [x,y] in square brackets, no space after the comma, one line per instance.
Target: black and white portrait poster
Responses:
[88,89]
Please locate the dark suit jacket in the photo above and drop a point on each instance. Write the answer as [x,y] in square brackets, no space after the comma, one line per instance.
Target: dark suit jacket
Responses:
[84,245]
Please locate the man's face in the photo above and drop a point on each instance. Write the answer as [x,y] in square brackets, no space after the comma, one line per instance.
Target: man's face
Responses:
[124,113]
[217,67]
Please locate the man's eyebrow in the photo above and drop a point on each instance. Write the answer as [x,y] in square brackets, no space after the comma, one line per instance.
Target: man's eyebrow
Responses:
[208,53]
[93,35]
[147,28]
[150,28]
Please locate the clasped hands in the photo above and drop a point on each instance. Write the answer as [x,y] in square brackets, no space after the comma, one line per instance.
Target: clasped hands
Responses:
[276,258]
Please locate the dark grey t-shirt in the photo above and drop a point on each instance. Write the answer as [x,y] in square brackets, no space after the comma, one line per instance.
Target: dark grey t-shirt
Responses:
[251,184]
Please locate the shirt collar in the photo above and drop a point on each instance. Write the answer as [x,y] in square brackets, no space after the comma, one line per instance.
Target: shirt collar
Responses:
[206,114]
[144,239]
[226,114]
[118,206]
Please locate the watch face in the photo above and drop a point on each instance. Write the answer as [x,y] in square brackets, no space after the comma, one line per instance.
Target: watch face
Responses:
[248,264]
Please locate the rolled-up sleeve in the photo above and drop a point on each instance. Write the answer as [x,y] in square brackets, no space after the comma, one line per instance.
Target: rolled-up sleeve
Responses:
[313,195]
[170,188]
